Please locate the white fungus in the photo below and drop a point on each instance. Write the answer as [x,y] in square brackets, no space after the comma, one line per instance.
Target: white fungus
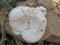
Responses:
[29,22]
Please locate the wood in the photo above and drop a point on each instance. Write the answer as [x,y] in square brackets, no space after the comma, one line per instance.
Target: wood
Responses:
[32,3]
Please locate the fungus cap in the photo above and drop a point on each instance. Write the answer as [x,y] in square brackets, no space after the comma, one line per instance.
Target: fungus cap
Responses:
[29,22]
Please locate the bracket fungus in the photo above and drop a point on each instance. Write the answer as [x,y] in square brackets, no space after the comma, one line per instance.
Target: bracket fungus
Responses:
[29,22]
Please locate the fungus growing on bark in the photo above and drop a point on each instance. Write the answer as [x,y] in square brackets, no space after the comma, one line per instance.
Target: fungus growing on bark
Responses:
[29,22]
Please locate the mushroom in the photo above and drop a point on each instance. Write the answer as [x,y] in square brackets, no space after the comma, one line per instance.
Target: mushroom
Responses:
[29,22]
